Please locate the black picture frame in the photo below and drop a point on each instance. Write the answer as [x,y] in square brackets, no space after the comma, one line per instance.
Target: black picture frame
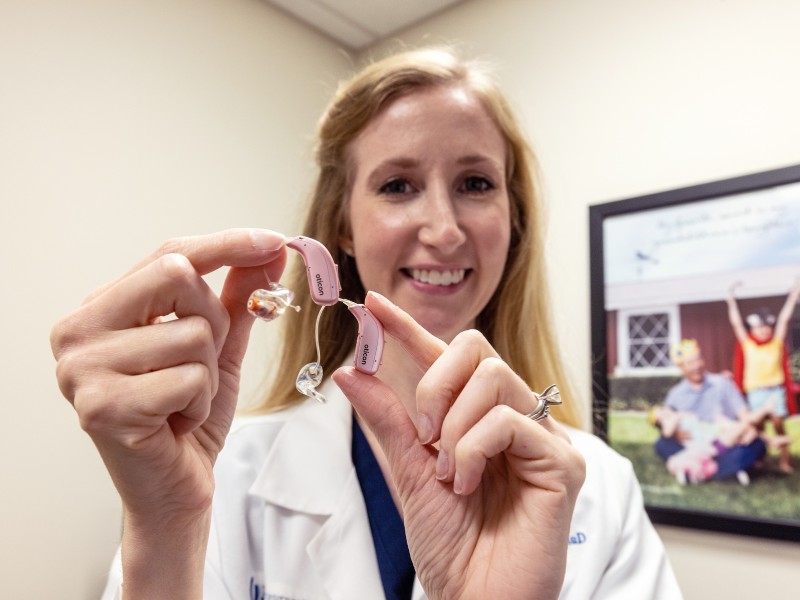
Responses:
[737,216]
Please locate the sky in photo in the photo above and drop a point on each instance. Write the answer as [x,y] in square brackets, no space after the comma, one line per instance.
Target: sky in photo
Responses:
[746,231]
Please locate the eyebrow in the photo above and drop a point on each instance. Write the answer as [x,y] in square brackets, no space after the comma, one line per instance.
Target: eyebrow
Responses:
[472,159]
[408,162]
[393,163]
[404,162]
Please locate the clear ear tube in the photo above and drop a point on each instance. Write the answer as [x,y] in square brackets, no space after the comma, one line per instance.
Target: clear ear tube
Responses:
[310,375]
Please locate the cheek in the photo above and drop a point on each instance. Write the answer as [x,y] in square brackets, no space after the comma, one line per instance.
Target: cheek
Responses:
[493,236]
[378,228]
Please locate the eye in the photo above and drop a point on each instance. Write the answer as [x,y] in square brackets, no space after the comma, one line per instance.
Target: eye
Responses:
[395,186]
[476,185]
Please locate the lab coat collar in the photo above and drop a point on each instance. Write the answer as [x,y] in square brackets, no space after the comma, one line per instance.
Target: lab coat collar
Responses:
[308,466]
[310,469]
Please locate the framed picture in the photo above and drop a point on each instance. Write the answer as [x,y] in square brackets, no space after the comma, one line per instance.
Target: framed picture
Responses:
[696,349]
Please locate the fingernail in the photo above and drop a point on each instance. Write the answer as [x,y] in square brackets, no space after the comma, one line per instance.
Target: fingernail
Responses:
[442,466]
[458,485]
[425,429]
[263,239]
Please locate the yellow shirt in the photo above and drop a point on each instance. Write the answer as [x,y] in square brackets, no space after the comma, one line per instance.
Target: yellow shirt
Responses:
[763,364]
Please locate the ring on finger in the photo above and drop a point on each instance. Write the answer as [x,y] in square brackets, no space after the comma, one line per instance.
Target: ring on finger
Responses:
[549,397]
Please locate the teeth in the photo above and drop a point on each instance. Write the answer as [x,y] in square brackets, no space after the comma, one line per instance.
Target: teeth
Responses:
[450,277]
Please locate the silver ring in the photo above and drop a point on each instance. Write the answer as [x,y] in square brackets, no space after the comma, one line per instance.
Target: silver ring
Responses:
[550,397]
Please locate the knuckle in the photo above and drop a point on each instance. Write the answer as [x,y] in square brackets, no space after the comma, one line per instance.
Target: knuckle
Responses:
[75,358]
[66,333]
[171,246]
[492,367]
[198,331]
[176,267]
[469,337]
[436,394]
[578,467]
[58,338]
[574,468]
[67,373]
[196,376]
[501,413]
[96,407]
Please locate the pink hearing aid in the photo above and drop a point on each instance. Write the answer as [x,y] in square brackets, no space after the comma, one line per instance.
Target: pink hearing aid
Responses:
[322,272]
[369,346]
[323,282]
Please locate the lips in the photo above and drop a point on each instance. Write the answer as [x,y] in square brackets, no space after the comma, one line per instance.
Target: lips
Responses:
[440,277]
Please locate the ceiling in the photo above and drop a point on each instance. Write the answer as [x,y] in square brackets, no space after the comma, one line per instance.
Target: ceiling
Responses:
[358,24]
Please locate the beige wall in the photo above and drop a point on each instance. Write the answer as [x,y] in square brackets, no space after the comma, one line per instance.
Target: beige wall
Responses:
[124,123]
[627,97]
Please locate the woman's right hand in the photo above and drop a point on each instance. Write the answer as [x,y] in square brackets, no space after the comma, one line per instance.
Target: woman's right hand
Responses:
[157,396]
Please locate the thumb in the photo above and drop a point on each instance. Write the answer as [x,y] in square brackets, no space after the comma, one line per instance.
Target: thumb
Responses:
[239,284]
[384,413]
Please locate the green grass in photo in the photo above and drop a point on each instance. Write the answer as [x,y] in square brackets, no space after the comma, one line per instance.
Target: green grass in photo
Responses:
[770,495]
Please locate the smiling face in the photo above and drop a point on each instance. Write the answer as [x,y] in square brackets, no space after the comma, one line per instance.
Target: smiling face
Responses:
[428,207]
[762,333]
[694,369]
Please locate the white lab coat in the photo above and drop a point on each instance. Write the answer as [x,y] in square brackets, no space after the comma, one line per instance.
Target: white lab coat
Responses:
[289,520]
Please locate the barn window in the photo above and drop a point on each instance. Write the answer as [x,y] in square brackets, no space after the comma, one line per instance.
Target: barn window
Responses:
[645,339]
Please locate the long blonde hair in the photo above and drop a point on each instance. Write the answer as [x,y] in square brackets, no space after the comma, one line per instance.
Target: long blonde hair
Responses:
[516,320]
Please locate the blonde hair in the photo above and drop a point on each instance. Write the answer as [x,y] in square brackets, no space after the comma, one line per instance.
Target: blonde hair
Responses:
[516,320]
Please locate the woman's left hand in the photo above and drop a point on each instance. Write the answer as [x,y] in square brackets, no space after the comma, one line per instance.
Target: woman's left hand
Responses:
[488,514]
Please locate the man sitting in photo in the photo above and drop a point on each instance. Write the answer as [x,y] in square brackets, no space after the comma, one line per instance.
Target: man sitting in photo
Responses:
[711,398]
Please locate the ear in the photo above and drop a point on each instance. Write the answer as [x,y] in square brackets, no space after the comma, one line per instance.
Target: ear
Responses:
[346,244]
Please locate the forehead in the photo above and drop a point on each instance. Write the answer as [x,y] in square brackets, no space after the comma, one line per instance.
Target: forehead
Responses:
[693,360]
[431,120]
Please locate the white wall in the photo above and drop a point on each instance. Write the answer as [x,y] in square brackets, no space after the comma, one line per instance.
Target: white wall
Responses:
[627,97]
[123,124]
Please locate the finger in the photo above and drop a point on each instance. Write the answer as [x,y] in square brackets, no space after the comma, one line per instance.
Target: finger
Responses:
[492,384]
[535,456]
[445,379]
[139,350]
[423,347]
[167,285]
[552,425]
[387,418]
[231,247]
[239,283]
[130,409]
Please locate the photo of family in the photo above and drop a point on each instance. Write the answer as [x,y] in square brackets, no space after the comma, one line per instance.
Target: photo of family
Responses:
[696,342]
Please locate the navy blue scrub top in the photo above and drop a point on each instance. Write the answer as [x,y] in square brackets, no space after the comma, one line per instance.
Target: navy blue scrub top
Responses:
[388,532]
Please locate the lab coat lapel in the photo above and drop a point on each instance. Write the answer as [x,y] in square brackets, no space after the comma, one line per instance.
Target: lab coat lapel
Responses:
[309,469]
[343,552]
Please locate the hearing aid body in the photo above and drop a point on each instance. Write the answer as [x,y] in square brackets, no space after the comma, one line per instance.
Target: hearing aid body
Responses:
[323,282]
[322,272]
[369,345]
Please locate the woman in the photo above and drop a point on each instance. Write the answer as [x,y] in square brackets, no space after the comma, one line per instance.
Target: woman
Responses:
[425,196]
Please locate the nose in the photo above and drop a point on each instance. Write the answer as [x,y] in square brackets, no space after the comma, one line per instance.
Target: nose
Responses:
[440,226]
